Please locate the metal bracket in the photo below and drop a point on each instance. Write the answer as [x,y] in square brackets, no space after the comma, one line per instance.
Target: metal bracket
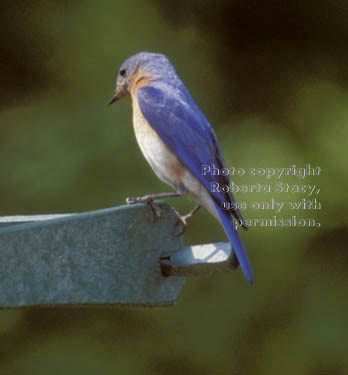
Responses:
[199,260]
[115,256]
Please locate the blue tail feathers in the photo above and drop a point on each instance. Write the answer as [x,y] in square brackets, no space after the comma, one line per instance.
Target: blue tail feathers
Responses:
[236,243]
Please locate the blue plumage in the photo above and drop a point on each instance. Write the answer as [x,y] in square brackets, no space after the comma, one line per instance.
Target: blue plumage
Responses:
[187,133]
[177,139]
[237,245]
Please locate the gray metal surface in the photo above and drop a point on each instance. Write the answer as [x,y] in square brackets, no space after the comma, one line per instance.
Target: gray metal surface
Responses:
[110,256]
[6,221]
[199,260]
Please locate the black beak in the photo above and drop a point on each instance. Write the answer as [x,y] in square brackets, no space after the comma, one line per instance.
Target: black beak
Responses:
[112,100]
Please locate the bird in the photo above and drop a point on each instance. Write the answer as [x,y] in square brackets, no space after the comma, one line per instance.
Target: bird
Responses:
[177,140]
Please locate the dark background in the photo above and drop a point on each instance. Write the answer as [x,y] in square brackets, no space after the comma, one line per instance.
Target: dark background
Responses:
[272,79]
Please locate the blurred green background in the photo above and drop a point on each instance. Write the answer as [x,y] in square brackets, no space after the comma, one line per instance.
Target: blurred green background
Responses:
[272,78]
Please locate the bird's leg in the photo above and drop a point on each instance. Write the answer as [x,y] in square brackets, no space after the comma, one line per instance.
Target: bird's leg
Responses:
[152,197]
[149,200]
[184,218]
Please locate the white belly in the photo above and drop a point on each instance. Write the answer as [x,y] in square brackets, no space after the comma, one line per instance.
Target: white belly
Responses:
[165,164]
[158,155]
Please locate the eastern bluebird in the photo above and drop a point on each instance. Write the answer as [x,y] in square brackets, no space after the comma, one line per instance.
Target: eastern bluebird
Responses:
[177,140]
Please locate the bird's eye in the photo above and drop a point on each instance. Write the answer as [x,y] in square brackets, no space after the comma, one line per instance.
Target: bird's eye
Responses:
[123,72]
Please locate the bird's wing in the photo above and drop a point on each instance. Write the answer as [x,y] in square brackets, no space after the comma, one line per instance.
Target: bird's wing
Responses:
[184,129]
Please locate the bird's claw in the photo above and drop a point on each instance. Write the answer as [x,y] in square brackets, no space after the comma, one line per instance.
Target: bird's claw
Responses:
[183,221]
[184,218]
[132,200]
[155,209]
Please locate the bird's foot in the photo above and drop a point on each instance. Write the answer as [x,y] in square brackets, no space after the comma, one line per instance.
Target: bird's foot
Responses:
[144,199]
[149,200]
[184,218]
[152,197]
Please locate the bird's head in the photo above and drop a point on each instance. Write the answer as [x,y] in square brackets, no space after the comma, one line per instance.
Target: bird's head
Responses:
[144,66]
